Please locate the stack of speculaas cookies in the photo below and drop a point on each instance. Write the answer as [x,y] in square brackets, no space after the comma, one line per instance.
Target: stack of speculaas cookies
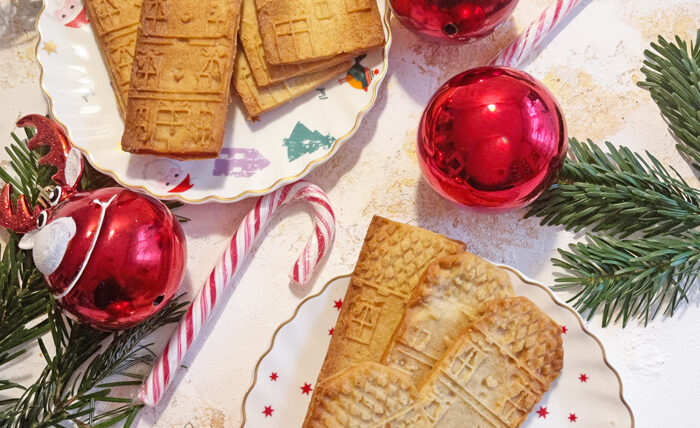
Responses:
[114,23]
[171,62]
[430,335]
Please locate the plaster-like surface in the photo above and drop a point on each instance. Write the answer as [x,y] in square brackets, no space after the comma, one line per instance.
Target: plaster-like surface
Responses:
[592,66]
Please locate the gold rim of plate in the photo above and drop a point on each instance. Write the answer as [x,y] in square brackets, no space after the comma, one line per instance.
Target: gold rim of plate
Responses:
[246,193]
[508,268]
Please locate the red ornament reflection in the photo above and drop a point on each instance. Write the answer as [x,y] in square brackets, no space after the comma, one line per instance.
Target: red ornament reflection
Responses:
[453,20]
[492,137]
[128,262]
[111,257]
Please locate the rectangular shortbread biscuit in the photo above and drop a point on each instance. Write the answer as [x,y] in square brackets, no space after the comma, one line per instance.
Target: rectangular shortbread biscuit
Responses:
[114,23]
[180,78]
[258,100]
[263,72]
[305,30]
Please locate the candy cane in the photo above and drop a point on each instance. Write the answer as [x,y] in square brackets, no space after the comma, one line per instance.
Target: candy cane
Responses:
[165,367]
[528,40]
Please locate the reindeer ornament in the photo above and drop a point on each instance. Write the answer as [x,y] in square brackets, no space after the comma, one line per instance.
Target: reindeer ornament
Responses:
[111,257]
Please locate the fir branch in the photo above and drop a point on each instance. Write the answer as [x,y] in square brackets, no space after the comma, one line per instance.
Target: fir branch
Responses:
[620,193]
[23,293]
[23,301]
[64,392]
[630,278]
[24,296]
[673,79]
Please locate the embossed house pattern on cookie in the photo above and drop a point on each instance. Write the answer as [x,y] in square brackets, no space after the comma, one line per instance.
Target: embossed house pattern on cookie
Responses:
[179,89]
[462,284]
[464,378]
[365,314]
[155,19]
[301,30]
[115,23]
[498,369]
[122,52]
[386,273]
[106,12]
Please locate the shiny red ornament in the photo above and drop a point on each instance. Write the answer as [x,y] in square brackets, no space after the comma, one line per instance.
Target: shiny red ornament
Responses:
[112,257]
[136,263]
[492,137]
[453,20]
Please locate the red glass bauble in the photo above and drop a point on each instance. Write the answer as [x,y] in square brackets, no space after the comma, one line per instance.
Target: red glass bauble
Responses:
[124,262]
[453,20]
[492,137]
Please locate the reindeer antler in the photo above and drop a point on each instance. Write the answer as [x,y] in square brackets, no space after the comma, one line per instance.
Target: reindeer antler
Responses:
[19,219]
[48,133]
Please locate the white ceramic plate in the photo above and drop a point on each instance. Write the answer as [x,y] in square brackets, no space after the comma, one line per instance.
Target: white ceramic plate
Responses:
[587,394]
[258,157]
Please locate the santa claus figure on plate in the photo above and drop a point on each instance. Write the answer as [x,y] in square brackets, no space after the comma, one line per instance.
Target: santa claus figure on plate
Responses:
[70,13]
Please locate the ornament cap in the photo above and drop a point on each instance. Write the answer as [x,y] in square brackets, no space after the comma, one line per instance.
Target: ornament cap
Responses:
[452,21]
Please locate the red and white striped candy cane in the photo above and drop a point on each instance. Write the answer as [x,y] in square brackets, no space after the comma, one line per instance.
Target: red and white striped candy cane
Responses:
[165,367]
[528,40]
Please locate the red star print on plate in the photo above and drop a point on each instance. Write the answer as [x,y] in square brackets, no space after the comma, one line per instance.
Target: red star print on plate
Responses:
[306,388]
[268,411]
[542,413]
[274,376]
[564,329]
[572,417]
[331,331]
[583,377]
[338,304]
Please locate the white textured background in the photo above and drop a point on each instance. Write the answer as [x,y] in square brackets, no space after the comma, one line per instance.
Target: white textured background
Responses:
[592,66]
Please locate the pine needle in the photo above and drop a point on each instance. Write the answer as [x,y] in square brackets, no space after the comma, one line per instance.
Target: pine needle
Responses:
[630,278]
[23,302]
[616,193]
[672,72]
[620,193]
[63,392]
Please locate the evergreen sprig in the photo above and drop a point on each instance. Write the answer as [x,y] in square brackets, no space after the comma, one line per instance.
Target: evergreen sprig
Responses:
[23,292]
[63,392]
[79,384]
[617,193]
[632,277]
[672,72]
[23,300]
[620,193]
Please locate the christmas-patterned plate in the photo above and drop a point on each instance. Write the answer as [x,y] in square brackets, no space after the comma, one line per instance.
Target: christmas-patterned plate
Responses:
[588,393]
[258,156]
